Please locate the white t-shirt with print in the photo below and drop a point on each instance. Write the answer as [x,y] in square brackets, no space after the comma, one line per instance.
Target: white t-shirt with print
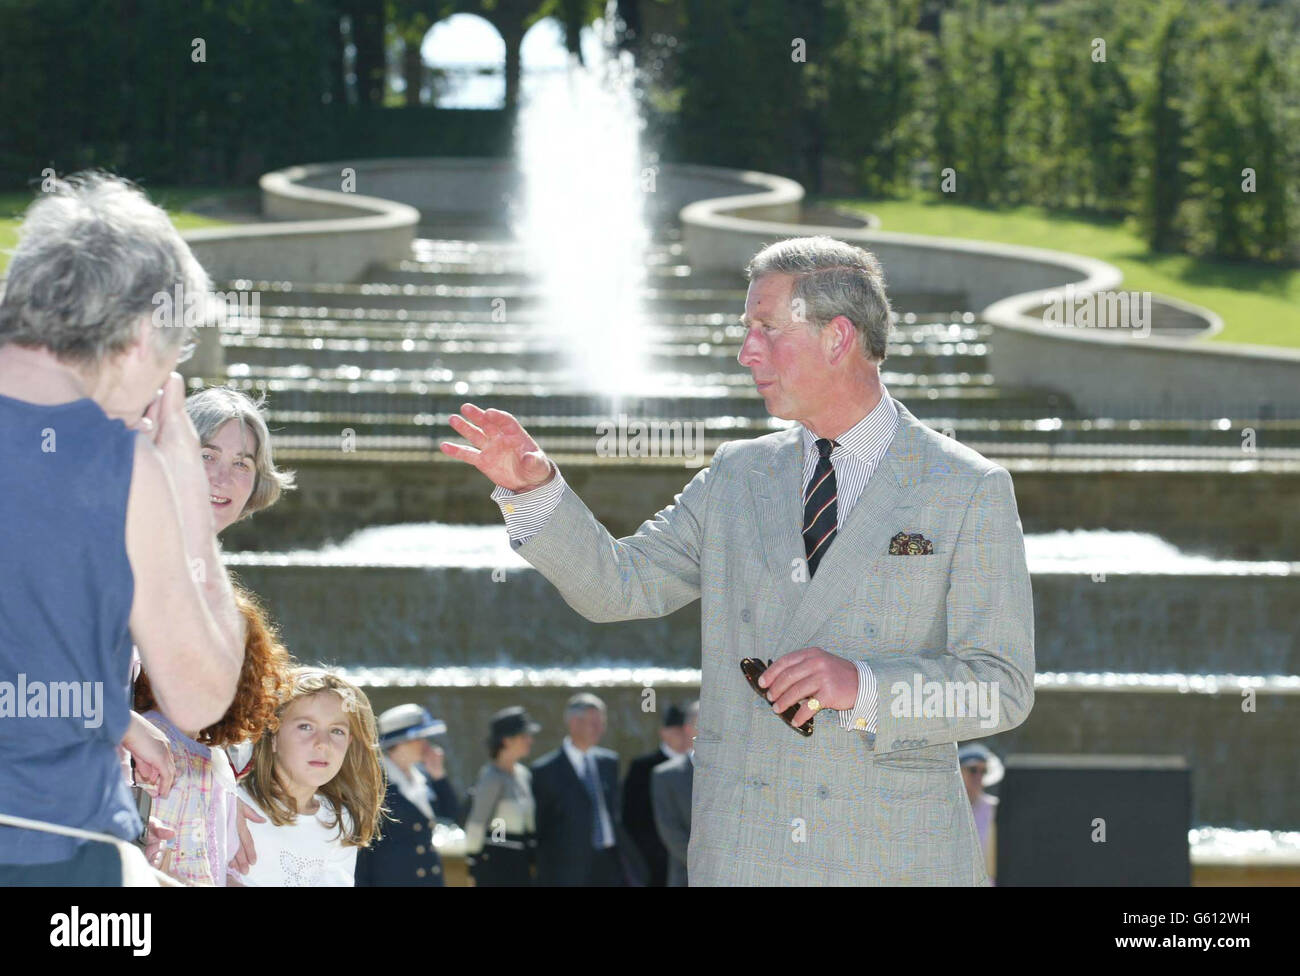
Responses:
[303,854]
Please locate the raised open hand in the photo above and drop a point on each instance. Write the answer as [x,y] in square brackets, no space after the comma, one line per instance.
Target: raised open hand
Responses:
[501,449]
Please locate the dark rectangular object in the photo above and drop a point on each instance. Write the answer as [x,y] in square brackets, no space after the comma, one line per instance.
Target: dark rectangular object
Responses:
[1052,810]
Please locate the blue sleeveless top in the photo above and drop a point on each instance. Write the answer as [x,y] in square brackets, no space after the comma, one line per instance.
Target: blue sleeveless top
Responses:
[66,588]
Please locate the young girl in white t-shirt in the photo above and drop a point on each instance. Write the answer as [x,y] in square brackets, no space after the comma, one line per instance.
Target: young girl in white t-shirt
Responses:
[318,781]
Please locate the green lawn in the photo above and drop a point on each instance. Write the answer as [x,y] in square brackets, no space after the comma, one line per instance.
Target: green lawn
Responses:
[1259,304]
[172,199]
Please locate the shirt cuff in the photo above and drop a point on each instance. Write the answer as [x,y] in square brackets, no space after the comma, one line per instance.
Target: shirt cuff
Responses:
[527,512]
[862,716]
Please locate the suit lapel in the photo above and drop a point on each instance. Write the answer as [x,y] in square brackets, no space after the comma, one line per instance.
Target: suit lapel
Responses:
[567,772]
[776,486]
[855,548]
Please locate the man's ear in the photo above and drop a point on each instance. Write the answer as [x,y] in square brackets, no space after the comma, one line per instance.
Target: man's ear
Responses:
[141,349]
[840,334]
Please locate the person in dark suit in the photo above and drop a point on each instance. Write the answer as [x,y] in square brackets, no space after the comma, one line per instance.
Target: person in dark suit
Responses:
[580,840]
[638,814]
[415,798]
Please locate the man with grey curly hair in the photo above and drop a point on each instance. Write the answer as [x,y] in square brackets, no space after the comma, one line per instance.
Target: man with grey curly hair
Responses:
[106,532]
[96,265]
[865,597]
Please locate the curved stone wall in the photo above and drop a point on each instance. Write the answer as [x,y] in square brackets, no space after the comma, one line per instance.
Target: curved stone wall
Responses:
[318,233]
[1110,369]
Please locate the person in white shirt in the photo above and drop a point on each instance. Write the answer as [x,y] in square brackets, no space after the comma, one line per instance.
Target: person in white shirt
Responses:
[318,782]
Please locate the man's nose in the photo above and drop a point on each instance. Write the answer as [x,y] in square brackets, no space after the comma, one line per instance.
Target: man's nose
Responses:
[748,349]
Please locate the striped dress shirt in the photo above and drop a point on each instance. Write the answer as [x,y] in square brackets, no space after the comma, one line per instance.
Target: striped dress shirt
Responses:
[858,452]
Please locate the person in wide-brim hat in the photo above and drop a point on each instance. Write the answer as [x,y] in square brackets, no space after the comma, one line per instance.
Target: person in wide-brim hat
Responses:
[405,723]
[982,761]
[418,795]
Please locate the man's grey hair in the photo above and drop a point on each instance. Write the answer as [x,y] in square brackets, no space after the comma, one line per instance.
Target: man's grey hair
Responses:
[93,253]
[582,702]
[831,278]
[211,408]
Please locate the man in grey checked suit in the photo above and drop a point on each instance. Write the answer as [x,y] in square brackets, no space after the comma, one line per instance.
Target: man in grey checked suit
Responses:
[880,564]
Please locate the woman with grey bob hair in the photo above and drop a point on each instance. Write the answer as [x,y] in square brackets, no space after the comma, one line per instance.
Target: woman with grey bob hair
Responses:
[105,536]
[242,491]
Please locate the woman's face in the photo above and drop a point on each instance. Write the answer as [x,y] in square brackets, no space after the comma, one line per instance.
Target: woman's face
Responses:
[519,745]
[229,458]
[312,741]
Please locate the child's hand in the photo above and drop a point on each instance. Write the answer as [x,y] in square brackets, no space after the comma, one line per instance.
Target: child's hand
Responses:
[246,856]
[156,848]
[155,766]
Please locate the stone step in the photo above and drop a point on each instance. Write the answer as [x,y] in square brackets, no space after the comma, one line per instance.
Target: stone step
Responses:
[1179,622]
[1024,437]
[340,490]
[351,390]
[517,273]
[275,318]
[502,253]
[727,381]
[909,329]
[456,354]
[480,294]
[522,295]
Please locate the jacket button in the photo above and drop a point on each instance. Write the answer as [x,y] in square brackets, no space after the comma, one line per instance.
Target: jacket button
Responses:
[823,792]
[869,630]
[437,870]
[744,615]
[420,849]
[418,826]
[420,872]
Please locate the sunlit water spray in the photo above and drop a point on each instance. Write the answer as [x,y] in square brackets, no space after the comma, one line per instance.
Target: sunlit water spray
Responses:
[583,220]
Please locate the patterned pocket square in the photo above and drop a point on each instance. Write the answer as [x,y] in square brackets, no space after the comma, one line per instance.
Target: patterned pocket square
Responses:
[910,545]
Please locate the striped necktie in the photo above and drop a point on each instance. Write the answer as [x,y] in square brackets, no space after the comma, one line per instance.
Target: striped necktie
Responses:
[820,513]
